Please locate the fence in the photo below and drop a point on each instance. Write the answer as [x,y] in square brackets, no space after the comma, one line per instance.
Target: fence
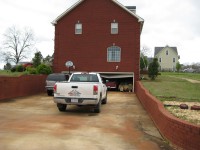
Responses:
[11,87]
[177,131]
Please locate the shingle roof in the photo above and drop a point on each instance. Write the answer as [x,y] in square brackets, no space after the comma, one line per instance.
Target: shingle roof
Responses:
[158,49]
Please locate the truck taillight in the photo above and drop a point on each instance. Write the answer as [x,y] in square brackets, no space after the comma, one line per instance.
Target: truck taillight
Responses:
[95,89]
[55,88]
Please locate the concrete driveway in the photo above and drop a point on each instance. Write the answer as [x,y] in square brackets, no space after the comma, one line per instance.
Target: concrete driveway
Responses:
[34,123]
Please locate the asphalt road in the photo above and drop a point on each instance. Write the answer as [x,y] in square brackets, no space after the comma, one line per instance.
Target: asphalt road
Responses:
[34,123]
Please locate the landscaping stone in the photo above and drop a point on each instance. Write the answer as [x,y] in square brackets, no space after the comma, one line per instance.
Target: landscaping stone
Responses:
[195,107]
[184,106]
[190,115]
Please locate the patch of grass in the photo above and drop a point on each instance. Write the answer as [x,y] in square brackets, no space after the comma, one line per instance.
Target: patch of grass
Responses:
[194,76]
[9,73]
[166,87]
[172,87]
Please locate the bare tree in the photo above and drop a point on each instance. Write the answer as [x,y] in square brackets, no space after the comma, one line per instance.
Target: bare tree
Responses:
[16,44]
[143,56]
[145,51]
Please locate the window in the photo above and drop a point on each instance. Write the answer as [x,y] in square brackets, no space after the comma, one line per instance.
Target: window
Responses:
[84,78]
[114,28]
[56,77]
[174,59]
[167,52]
[78,28]
[114,54]
[160,60]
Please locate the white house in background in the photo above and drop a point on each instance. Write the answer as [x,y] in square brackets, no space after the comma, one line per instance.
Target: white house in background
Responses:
[167,57]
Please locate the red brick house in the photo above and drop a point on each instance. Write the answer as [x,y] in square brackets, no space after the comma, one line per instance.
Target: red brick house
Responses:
[99,36]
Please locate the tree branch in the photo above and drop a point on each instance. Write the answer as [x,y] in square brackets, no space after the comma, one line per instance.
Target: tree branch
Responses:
[17,43]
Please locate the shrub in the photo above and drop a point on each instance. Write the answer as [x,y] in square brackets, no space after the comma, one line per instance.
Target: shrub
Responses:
[20,68]
[153,69]
[31,70]
[178,66]
[44,69]
[13,69]
[37,59]
[7,66]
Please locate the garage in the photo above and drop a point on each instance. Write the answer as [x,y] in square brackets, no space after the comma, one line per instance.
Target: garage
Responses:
[123,81]
[116,81]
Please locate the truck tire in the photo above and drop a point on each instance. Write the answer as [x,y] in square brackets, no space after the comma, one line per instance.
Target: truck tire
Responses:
[61,107]
[104,101]
[97,109]
[50,93]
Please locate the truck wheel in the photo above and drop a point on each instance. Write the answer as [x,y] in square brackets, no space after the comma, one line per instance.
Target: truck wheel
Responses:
[50,93]
[61,107]
[104,101]
[97,109]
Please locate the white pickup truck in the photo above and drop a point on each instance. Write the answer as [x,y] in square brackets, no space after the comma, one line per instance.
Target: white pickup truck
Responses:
[81,89]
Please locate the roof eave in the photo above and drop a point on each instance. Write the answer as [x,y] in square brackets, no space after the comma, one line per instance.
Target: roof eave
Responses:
[65,12]
[133,14]
[159,49]
[141,20]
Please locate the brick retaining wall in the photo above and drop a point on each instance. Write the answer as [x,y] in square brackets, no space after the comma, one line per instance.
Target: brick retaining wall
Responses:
[177,131]
[11,87]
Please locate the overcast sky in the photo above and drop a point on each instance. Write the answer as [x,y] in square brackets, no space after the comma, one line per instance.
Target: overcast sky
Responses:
[171,22]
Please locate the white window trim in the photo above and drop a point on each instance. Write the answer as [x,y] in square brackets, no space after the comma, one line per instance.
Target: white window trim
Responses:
[78,28]
[114,28]
[115,59]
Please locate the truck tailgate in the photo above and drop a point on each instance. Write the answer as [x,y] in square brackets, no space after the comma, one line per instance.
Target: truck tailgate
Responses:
[81,89]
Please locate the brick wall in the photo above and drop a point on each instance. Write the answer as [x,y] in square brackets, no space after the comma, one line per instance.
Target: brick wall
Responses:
[178,132]
[11,87]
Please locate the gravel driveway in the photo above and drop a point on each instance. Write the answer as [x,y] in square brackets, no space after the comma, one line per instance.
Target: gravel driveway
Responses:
[34,123]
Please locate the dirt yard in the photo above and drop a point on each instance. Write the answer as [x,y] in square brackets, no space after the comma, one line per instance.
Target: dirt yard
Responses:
[34,123]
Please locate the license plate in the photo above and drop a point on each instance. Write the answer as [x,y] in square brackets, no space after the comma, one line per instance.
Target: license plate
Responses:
[74,100]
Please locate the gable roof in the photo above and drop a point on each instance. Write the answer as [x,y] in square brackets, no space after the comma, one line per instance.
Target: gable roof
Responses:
[158,49]
[66,12]
[114,1]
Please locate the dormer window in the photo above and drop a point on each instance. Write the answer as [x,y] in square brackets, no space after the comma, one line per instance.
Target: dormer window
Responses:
[78,28]
[114,28]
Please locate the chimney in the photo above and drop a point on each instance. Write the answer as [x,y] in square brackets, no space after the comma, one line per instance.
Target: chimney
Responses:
[131,8]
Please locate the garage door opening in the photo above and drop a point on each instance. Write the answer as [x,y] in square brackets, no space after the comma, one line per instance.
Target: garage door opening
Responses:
[119,82]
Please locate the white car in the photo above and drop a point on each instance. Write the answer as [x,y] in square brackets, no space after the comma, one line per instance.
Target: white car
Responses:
[81,89]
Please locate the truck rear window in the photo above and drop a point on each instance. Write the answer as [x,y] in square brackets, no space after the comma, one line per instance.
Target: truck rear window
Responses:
[84,78]
[56,77]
